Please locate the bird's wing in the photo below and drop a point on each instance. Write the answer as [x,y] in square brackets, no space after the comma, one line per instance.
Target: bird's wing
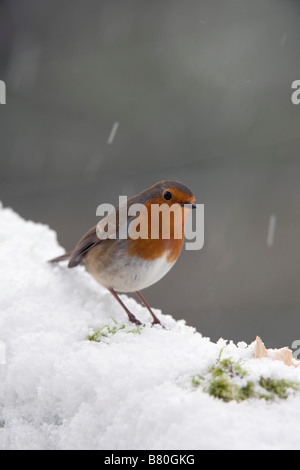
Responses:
[107,228]
[88,241]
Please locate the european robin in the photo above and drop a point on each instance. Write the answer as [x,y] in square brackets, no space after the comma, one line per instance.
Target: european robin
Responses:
[132,263]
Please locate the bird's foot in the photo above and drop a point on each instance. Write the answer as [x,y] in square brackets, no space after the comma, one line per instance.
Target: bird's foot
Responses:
[157,322]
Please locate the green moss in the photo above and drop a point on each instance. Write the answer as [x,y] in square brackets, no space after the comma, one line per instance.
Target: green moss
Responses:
[226,380]
[108,330]
[229,367]
[136,330]
[277,387]
[225,388]
[105,331]
[196,380]
[248,390]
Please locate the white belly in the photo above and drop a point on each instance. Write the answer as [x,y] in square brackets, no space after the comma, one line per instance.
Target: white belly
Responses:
[135,275]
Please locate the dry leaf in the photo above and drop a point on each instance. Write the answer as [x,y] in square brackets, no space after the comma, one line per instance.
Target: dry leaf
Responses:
[284,354]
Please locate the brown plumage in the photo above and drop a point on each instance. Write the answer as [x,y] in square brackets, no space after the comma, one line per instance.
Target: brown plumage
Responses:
[129,265]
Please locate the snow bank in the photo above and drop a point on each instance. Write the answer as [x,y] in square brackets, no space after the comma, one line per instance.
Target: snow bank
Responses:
[131,390]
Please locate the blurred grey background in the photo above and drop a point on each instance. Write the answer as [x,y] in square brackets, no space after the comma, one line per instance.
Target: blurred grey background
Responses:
[201,91]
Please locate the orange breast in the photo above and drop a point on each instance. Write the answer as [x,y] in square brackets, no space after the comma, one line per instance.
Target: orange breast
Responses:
[158,223]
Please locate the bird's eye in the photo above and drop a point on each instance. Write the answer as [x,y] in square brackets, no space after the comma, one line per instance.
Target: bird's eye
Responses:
[167,195]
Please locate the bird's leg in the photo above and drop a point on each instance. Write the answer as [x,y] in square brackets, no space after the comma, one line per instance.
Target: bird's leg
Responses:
[130,315]
[155,319]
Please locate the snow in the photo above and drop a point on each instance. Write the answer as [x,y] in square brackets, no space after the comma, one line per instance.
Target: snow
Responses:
[131,390]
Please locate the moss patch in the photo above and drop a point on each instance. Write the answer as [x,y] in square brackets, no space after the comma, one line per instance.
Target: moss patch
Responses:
[277,387]
[107,331]
[227,380]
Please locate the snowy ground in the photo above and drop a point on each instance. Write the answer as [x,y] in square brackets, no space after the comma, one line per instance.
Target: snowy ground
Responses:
[58,390]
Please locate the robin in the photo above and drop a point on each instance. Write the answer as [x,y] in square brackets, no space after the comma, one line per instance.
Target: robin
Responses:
[131,263]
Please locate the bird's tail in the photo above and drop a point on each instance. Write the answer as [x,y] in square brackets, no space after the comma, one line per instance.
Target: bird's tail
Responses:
[64,257]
